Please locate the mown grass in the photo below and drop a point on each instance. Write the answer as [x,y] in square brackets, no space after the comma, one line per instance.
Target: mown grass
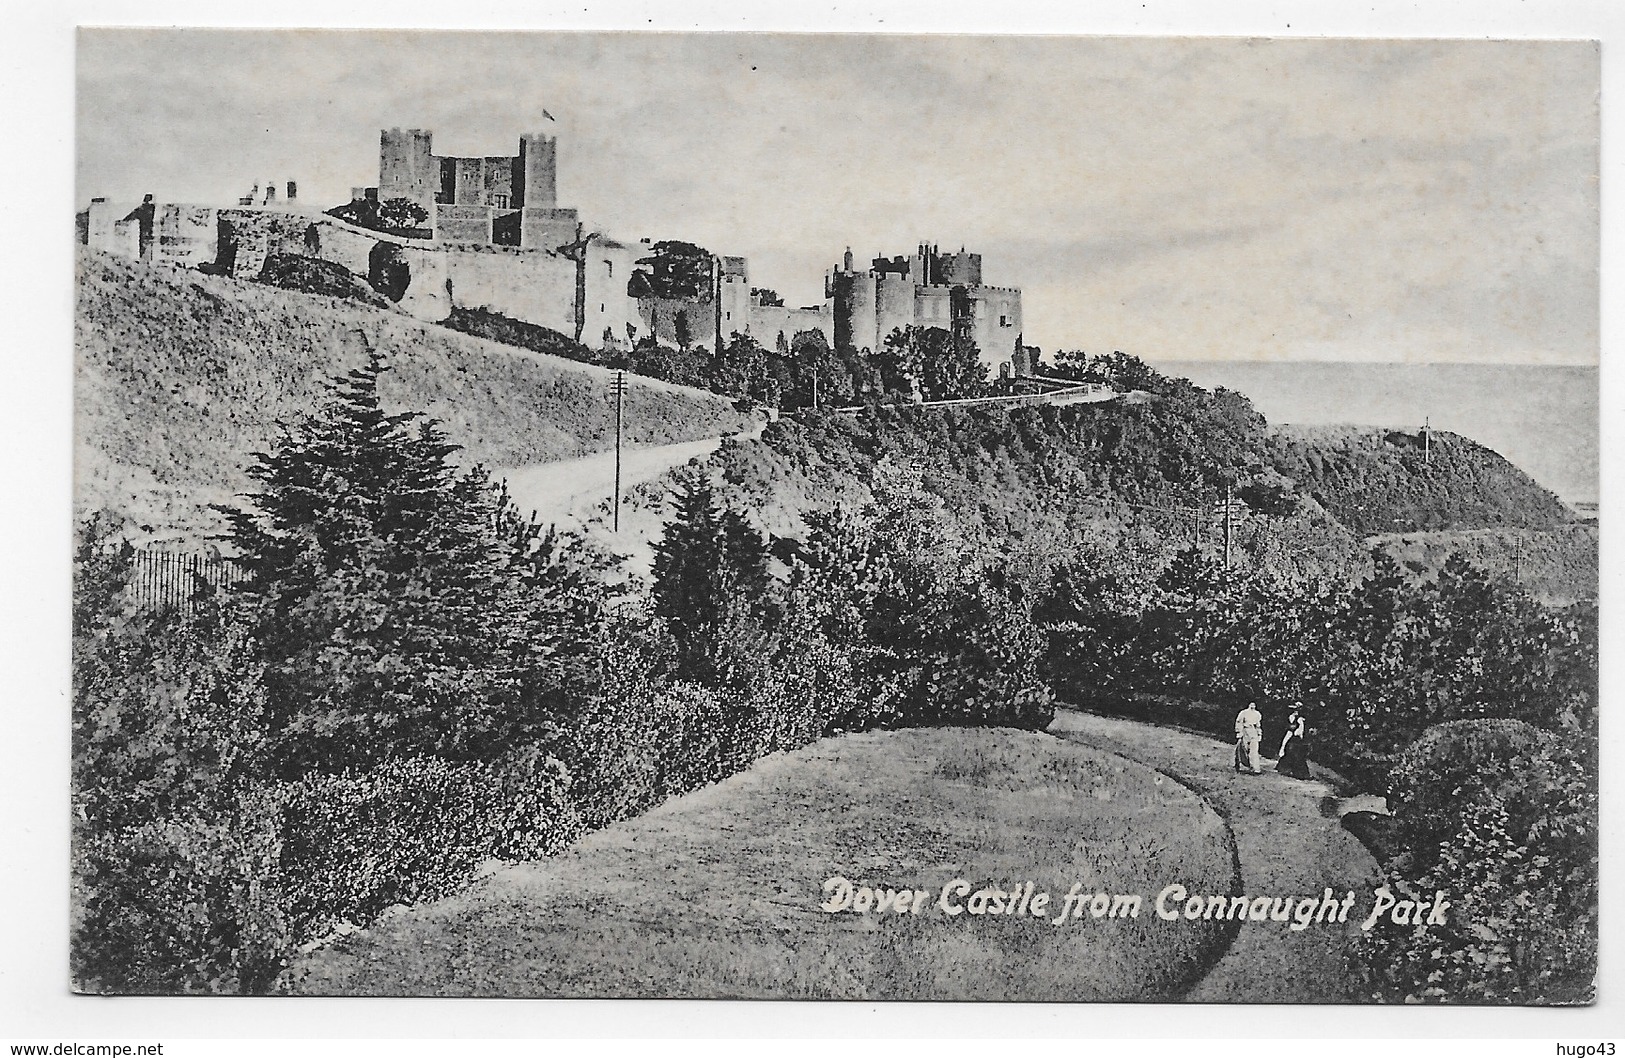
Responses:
[182,376]
[717,894]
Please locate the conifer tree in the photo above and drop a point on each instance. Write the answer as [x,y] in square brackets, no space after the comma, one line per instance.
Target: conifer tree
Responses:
[710,584]
[391,594]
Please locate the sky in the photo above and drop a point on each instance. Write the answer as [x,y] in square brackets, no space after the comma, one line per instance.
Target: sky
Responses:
[1176,198]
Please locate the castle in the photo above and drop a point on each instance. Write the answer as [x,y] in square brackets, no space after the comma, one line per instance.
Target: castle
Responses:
[926,289]
[494,237]
[497,201]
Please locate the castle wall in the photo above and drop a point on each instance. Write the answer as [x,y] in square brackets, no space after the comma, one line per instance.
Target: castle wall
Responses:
[997,325]
[429,294]
[853,294]
[894,304]
[249,236]
[462,223]
[767,322]
[959,269]
[186,235]
[608,266]
[108,227]
[548,229]
[735,307]
[535,287]
[933,307]
[659,317]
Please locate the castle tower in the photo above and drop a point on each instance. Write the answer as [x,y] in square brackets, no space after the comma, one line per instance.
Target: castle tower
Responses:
[406,166]
[535,172]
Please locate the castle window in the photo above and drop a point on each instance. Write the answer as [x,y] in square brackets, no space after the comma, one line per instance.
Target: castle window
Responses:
[1004,321]
[501,201]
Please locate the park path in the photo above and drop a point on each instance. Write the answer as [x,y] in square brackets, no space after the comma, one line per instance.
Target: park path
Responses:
[1289,843]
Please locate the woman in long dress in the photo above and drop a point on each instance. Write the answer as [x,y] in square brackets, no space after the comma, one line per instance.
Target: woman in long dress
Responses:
[1293,760]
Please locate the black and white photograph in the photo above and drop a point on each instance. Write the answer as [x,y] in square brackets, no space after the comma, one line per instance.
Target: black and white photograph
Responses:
[835,516]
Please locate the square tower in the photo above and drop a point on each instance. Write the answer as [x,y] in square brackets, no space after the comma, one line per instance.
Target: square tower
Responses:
[407,167]
[535,172]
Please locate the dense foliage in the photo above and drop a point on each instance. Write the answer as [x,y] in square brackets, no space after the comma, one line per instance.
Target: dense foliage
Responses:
[411,681]
[1502,817]
[312,275]
[1385,482]
[483,323]
[1093,512]
[393,216]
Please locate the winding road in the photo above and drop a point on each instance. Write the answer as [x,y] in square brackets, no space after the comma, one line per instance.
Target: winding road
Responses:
[1289,843]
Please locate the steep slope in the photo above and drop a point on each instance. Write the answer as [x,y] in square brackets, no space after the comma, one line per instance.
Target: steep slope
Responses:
[1376,481]
[1121,486]
[182,376]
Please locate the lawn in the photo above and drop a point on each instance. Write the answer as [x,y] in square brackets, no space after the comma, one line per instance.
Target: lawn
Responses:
[718,893]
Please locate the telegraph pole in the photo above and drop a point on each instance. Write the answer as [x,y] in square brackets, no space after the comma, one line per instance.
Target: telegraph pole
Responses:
[1228,499]
[618,384]
[1427,440]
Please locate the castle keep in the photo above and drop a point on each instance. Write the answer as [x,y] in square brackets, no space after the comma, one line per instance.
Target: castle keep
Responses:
[494,237]
[497,201]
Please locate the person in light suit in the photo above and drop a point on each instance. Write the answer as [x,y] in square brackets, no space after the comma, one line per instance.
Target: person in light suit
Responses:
[1249,732]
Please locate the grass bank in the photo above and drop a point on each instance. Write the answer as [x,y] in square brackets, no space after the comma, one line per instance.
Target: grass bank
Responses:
[181,376]
[717,894]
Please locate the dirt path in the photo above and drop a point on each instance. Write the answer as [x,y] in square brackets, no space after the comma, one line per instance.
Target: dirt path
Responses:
[1289,843]
[570,492]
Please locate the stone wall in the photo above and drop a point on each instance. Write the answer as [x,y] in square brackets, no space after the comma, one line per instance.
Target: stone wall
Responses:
[767,322]
[246,237]
[187,236]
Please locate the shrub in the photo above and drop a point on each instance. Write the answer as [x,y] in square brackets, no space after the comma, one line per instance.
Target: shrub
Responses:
[189,903]
[414,829]
[312,275]
[1502,817]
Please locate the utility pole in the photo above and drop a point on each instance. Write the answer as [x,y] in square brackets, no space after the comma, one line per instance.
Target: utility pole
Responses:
[618,384]
[1427,440]
[1517,568]
[1228,499]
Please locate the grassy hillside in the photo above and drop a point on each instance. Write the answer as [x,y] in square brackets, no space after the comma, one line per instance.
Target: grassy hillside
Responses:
[1558,566]
[1376,481]
[181,376]
[1124,486]
[717,893]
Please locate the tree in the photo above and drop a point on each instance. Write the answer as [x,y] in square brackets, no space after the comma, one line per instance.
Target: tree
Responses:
[929,361]
[676,270]
[710,584]
[400,213]
[390,594]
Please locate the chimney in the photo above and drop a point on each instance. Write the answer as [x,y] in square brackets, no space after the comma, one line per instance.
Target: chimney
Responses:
[270,192]
[293,191]
[847,260]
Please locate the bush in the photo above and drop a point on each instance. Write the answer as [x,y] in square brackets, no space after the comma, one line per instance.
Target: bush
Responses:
[414,829]
[312,275]
[189,903]
[1502,817]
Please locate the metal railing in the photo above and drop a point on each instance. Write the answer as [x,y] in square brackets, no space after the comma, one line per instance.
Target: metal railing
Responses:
[172,580]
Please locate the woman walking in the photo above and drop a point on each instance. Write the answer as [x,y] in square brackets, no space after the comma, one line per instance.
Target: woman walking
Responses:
[1293,759]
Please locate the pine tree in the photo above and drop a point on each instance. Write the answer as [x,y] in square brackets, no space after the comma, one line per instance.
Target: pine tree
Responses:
[710,585]
[391,594]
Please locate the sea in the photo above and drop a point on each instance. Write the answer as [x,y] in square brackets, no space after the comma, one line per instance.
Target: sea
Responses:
[1542,419]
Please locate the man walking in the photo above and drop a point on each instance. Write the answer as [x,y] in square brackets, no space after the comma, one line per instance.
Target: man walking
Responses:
[1249,733]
